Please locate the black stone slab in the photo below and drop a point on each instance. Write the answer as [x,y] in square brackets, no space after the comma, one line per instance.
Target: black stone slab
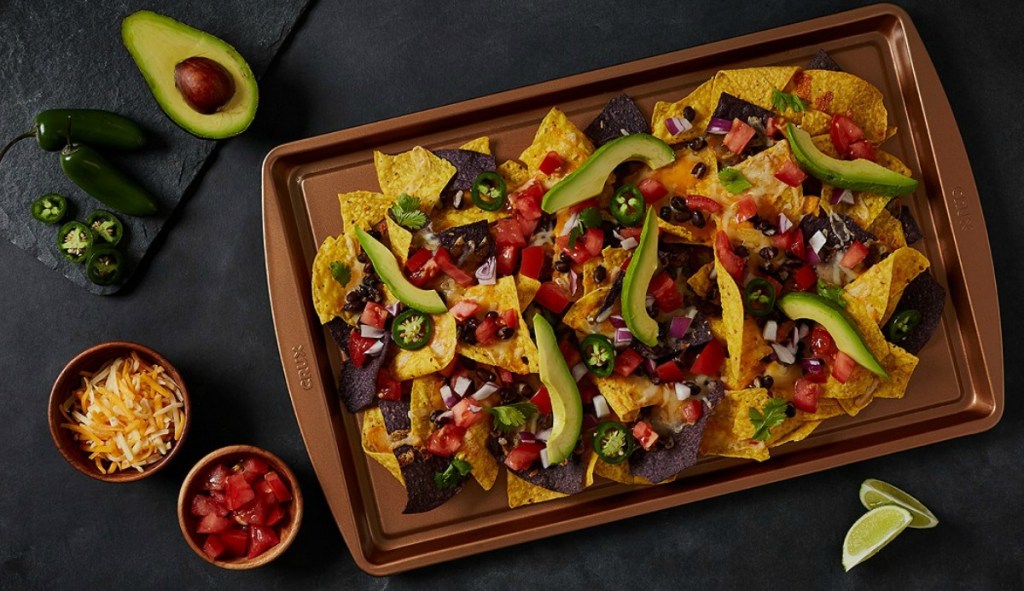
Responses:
[45,66]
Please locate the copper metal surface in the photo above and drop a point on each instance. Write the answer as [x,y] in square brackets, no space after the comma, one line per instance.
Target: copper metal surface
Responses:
[957,390]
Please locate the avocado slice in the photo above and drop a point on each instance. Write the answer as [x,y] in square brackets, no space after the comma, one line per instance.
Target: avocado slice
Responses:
[159,44]
[856,175]
[799,305]
[384,263]
[638,277]
[589,179]
[566,406]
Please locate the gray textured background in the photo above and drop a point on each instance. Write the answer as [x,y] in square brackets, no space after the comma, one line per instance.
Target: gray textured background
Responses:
[202,301]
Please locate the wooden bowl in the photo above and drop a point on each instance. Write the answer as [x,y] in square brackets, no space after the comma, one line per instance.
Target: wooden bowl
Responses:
[91,360]
[194,483]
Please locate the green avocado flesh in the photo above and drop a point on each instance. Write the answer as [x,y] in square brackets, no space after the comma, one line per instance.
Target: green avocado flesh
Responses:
[589,179]
[638,277]
[856,175]
[384,263]
[158,43]
[799,305]
[566,406]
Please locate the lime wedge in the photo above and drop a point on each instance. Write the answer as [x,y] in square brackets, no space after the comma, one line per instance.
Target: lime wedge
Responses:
[875,493]
[872,532]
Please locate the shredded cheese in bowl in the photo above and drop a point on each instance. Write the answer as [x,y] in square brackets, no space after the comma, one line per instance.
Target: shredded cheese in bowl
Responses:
[127,415]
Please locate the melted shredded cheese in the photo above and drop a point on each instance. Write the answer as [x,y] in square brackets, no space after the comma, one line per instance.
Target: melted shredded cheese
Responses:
[127,415]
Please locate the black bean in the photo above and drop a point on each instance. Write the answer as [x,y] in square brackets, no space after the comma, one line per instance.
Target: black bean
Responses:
[682,216]
[790,410]
[698,143]
[375,233]
[665,213]
[351,296]
[767,381]
[492,315]
[565,258]
[505,332]
[693,386]
[699,170]
[362,257]
[523,389]
[560,266]
[698,220]
[485,375]
[471,323]
[767,267]
[351,307]
[437,418]
[368,268]
[600,274]
[689,113]
[678,203]
[740,251]
[768,253]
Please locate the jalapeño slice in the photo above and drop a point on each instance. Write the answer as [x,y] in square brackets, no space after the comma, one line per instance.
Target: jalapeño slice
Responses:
[105,226]
[412,329]
[613,442]
[74,240]
[50,208]
[903,324]
[489,191]
[105,265]
[628,205]
[759,297]
[598,355]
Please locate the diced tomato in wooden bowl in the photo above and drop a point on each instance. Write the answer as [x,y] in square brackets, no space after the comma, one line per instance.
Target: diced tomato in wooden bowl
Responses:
[240,507]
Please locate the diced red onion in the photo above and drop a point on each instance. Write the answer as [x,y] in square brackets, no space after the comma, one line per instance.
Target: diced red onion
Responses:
[483,392]
[462,385]
[578,371]
[486,273]
[784,223]
[544,435]
[544,458]
[794,339]
[816,241]
[475,409]
[574,282]
[650,366]
[719,126]
[813,258]
[617,321]
[677,125]
[783,353]
[771,330]
[370,332]
[601,408]
[375,349]
[392,308]
[617,236]
[804,330]
[527,437]
[682,391]
[450,398]
[846,196]
[678,327]
[629,243]
[569,224]
[623,337]
[457,200]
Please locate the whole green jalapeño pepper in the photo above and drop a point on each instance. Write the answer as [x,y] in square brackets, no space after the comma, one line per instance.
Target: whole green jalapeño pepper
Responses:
[95,175]
[91,126]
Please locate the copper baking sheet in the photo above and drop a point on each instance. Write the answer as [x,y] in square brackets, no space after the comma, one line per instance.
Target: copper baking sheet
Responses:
[958,389]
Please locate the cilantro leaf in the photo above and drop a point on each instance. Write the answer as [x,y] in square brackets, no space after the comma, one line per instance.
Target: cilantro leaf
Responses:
[341,272]
[771,416]
[832,293]
[575,234]
[406,211]
[512,416]
[590,218]
[452,474]
[733,180]
[784,100]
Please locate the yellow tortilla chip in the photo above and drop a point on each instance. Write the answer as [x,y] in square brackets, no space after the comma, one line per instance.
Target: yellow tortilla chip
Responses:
[518,354]
[900,365]
[703,100]
[418,173]
[732,325]
[376,443]
[514,173]
[681,232]
[438,353]
[362,209]
[791,431]
[754,349]
[729,429]
[773,196]
[400,239]
[754,85]
[521,492]
[556,133]
[888,230]
[424,399]
[328,294]
[474,451]
[815,122]
[480,144]
[449,218]
[880,288]
[620,473]
[842,92]
[701,281]
[588,474]
[526,289]
[827,409]
[611,259]
[853,406]
[581,315]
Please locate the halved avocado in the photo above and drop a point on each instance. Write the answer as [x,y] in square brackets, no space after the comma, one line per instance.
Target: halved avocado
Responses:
[638,277]
[589,179]
[384,263]
[810,306]
[566,406]
[158,44]
[856,175]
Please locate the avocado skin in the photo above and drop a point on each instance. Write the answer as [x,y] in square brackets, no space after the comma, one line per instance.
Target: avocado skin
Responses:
[801,305]
[856,175]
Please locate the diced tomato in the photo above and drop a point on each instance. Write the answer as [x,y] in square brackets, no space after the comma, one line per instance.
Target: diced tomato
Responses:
[709,361]
[426,272]
[278,486]
[587,390]
[746,209]
[274,515]
[791,174]
[464,309]
[630,233]
[627,361]
[510,318]
[738,137]
[735,265]
[464,415]
[357,346]
[374,315]
[854,255]
[418,259]
[523,456]
[862,149]
[533,190]
[214,547]
[262,488]
[771,129]
[212,523]
[527,203]
[670,372]
[593,240]
[237,492]
[552,296]
[253,513]
[487,332]
[702,203]
[570,353]
[235,540]
[665,292]
[844,133]
[551,163]
[527,225]
[504,375]
[449,268]
[508,258]
[253,468]
[693,409]
[388,388]
[217,477]
[533,262]
[805,395]
[652,190]
[446,441]
[508,232]
[796,246]
[578,253]
[822,344]
[843,367]
[542,400]
[261,539]
[645,434]
[805,278]
[203,505]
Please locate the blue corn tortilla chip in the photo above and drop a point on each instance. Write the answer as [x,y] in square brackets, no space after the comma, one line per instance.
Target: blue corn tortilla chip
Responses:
[731,107]
[396,415]
[672,458]
[823,61]
[469,245]
[357,386]
[418,470]
[619,117]
[566,477]
[699,332]
[839,230]
[468,165]
[911,231]
[925,295]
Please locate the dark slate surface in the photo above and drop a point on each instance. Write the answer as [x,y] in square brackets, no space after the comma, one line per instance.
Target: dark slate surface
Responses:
[202,301]
[68,54]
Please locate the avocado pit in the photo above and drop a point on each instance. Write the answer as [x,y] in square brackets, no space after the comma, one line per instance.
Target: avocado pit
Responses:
[204,84]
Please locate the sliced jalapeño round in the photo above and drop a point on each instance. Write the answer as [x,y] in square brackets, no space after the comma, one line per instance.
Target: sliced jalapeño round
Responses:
[759,296]
[105,265]
[412,329]
[598,355]
[105,226]
[74,239]
[628,205]
[902,324]
[50,208]
[613,442]
[489,191]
